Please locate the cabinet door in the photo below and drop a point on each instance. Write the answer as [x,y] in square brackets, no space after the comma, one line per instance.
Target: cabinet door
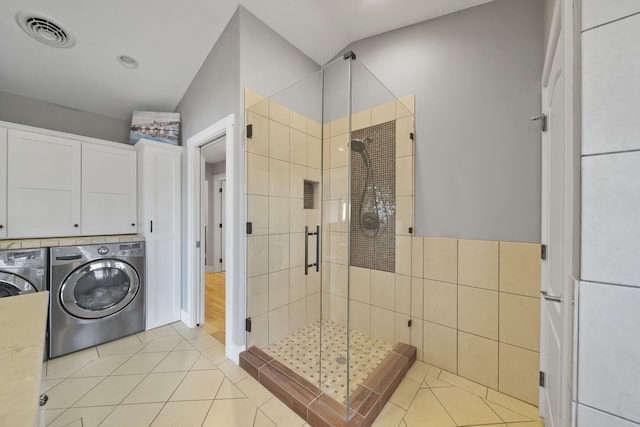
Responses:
[3,183]
[43,185]
[108,190]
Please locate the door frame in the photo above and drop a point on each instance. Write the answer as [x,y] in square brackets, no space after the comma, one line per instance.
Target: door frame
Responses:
[218,237]
[565,22]
[192,314]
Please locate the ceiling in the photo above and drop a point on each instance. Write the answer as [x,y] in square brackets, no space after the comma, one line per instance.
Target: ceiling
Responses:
[170,41]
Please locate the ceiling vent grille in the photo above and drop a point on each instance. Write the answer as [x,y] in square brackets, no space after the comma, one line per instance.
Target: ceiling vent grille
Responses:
[45,29]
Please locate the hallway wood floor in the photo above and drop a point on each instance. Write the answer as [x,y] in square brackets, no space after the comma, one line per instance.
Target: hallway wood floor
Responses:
[214,305]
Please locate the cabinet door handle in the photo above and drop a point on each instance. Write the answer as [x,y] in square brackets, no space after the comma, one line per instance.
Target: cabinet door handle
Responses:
[133,224]
[76,225]
[1,226]
[151,226]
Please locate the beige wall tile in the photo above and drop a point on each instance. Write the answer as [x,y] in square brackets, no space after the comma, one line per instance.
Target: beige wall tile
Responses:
[297,284]
[417,337]
[278,215]
[314,128]
[339,243]
[441,259]
[478,311]
[338,309]
[297,215]
[520,268]
[257,295]
[441,346]
[313,282]
[478,263]
[478,359]
[313,308]
[326,305]
[278,252]
[259,142]
[518,374]
[256,207]
[259,335]
[298,147]
[339,155]
[383,289]
[360,317]
[278,178]
[297,175]
[403,295]
[404,215]
[441,303]
[314,152]
[278,289]
[297,315]
[383,113]
[338,184]
[520,321]
[417,256]
[417,300]
[360,284]
[278,141]
[338,127]
[403,255]
[278,323]
[338,280]
[257,175]
[334,211]
[296,250]
[298,121]
[404,176]
[361,120]
[402,332]
[404,144]
[278,112]
[257,255]
[383,324]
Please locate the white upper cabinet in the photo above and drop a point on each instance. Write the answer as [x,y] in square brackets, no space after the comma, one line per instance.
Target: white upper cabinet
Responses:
[3,183]
[108,189]
[43,185]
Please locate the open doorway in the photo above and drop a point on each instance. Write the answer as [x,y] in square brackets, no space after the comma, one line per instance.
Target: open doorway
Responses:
[213,185]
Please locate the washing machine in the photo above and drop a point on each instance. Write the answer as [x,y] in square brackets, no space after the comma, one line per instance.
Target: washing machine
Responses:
[22,271]
[97,295]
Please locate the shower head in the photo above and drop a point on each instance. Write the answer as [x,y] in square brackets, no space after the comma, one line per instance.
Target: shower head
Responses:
[358,145]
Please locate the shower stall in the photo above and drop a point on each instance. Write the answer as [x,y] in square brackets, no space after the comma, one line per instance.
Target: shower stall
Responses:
[329,197]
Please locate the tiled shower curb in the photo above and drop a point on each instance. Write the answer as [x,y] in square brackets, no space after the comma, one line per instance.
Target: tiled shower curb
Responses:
[318,408]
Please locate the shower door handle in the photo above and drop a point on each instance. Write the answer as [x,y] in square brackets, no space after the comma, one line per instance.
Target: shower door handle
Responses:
[306,249]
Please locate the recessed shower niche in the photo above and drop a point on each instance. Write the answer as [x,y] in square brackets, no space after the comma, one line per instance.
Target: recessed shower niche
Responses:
[327,302]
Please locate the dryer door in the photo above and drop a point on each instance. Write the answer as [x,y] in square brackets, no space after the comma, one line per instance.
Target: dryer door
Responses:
[99,289]
[11,285]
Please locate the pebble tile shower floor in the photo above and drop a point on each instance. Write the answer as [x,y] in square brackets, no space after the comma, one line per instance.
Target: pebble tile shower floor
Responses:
[300,352]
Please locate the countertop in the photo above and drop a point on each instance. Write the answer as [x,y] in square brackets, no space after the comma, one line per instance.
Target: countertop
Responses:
[23,321]
[68,241]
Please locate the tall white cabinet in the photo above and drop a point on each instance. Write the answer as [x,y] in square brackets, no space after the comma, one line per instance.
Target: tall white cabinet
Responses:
[108,189]
[3,183]
[159,188]
[43,185]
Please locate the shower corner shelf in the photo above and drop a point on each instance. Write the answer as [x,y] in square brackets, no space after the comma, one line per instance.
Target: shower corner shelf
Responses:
[318,408]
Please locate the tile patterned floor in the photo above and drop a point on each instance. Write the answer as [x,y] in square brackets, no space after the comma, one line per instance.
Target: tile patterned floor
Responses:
[300,352]
[180,377]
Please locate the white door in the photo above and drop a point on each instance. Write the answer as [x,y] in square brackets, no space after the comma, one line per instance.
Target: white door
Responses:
[557,202]
[43,190]
[222,195]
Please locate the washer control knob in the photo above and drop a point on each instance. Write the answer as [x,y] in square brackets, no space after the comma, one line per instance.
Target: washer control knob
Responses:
[103,250]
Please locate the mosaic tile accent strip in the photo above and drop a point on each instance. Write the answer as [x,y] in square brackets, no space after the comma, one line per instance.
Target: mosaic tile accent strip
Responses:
[300,352]
[373,198]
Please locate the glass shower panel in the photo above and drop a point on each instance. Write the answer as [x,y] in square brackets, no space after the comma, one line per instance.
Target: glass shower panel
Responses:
[381,192]
[283,199]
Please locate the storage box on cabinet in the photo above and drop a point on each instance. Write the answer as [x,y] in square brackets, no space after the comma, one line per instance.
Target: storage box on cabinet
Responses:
[159,189]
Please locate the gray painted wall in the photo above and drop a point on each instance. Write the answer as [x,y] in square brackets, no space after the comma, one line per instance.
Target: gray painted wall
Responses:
[476,76]
[33,112]
[548,17]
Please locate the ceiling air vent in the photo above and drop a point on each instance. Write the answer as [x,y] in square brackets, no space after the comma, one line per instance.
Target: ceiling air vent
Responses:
[44,29]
